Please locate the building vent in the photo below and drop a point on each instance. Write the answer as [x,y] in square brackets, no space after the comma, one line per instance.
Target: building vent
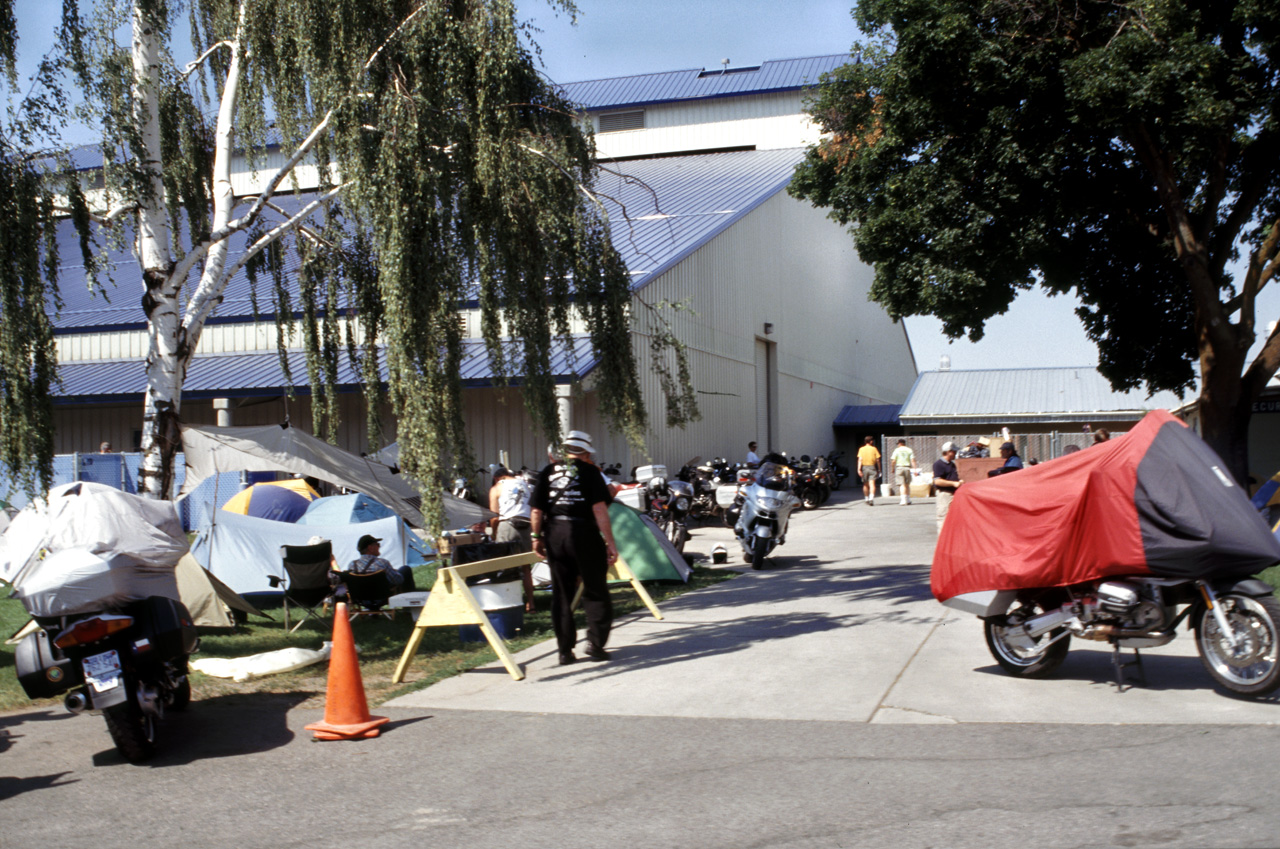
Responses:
[615,122]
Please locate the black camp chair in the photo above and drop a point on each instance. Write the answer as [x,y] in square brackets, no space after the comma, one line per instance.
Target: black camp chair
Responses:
[306,580]
[367,593]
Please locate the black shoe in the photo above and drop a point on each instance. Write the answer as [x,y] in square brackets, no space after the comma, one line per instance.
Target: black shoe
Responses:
[597,653]
[567,657]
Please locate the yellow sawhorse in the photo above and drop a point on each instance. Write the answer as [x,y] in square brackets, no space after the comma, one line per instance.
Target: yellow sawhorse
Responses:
[620,571]
[452,603]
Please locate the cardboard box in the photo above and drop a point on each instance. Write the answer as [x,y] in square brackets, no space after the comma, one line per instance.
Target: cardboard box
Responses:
[446,543]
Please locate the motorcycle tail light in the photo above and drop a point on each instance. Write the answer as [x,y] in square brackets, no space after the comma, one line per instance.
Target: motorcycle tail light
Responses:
[91,630]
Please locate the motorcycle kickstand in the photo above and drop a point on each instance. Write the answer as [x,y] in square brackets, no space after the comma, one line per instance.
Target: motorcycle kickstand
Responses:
[1120,667]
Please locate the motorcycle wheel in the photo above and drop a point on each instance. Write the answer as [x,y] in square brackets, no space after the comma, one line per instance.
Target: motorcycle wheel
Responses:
[810,498]
[182,695]
[1015,652]
[1253,668]
[759,548]
[824,493]
[678,535]
[133,731]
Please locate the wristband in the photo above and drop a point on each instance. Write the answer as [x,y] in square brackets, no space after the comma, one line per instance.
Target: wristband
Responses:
[535,536]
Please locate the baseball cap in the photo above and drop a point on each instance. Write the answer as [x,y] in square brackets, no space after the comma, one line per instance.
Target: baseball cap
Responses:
[948,446]
[1008,445]
[578,442]
[366,541]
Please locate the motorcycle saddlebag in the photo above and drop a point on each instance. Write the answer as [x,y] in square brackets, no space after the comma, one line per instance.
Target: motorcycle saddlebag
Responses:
[41,674]
[166,624]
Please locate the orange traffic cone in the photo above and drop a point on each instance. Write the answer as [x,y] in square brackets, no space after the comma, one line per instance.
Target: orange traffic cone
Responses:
[346,712]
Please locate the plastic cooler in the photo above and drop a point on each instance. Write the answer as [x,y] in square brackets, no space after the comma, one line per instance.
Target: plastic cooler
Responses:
[503,604]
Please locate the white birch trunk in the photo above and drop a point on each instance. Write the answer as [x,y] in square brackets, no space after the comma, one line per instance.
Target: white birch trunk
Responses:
[164,375]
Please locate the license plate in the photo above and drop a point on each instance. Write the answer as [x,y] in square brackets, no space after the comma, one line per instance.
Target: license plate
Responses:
[102,671]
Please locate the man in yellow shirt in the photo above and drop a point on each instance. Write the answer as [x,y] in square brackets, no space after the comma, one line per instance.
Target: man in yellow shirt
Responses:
[869,466]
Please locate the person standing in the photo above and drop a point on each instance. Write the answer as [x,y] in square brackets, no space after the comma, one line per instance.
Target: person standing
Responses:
[946,480]
[903,460]
[509,498]
[571,529]
[869,464]
[753,459]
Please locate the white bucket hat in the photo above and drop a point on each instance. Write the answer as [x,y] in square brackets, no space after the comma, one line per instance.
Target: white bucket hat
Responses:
[578,442]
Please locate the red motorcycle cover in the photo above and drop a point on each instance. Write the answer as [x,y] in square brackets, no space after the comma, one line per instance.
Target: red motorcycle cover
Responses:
[1156,501]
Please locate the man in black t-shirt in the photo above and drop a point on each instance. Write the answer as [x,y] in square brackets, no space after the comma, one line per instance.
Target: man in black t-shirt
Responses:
[570,527]
[946,480]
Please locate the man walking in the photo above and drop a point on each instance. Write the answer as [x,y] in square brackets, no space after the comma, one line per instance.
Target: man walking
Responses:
[903,461]
[946,480]
[570,527]
[869,466]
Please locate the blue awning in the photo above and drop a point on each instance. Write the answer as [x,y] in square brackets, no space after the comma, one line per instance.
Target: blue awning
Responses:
[857,415]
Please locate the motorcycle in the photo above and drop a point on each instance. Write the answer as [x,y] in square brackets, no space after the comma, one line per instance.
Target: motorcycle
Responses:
[129,664]
[94,567]
[767,503]
[837,472]
[808,484]
[668,504]
[1063,551]
[705,478]
[1236,623]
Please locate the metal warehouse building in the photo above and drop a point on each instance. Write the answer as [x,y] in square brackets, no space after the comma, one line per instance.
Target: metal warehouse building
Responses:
[780,332]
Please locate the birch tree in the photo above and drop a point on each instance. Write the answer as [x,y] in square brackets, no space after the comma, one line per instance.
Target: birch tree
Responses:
[450,170]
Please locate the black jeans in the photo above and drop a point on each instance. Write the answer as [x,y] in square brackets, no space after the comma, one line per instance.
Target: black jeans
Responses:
[576,550]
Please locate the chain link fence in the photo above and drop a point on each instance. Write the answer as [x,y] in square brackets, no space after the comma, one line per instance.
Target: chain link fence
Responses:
[1031,446]
[120,471]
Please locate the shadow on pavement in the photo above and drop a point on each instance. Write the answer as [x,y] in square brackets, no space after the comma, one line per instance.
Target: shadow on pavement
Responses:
[217,727]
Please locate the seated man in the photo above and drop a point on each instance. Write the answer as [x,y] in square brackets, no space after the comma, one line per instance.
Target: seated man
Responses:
[371,560]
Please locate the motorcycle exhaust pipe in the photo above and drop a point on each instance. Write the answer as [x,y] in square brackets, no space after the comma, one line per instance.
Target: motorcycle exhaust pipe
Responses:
[76,702]
[1115,632]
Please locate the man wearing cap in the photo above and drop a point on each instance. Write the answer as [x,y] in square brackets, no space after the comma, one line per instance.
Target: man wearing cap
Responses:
[1012,462]
[946,480]
[570,527]
[371,560]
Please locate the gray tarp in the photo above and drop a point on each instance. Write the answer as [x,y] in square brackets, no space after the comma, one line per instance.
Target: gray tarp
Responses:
[210,450]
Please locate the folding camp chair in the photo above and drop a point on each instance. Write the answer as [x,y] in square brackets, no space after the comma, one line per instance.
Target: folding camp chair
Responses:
[306,580]
[368,593]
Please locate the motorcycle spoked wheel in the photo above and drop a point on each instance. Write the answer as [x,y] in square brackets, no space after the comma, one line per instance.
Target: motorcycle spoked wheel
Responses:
[132,730]
[1015,652]
[759,548]
[1252,668]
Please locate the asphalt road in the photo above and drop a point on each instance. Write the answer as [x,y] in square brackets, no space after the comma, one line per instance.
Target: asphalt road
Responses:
[826,701]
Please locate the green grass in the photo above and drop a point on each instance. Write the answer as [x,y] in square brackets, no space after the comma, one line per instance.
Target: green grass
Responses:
[379,641]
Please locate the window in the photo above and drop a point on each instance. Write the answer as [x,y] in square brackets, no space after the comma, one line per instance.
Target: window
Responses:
[616,121]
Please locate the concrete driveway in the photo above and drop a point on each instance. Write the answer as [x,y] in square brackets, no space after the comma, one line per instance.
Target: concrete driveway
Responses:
[839,626]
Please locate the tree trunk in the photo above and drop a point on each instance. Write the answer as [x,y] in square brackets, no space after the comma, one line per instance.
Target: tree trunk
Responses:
[159,299]
[1225,406]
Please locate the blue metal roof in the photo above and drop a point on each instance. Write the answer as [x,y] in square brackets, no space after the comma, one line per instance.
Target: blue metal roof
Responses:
[661,210]
[702,83]
[1024,395]
[855,415]
[259,373]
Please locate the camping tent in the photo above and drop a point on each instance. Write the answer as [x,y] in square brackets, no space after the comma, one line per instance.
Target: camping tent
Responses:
[283,501]
[206,598]
[358,508]
[1156,501]
[243,551]
[210,450]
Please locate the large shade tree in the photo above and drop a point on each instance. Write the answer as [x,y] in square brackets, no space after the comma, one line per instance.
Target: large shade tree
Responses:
[451,171]
[1128,150]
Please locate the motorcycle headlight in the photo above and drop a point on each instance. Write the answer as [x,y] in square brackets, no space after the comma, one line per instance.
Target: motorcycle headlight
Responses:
[682,503]
[771,503]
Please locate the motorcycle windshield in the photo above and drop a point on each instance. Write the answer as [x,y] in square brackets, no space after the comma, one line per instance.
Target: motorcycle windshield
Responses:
[1156,501]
